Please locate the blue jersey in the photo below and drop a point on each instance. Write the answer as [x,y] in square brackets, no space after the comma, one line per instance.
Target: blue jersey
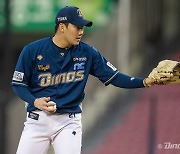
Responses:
[50,71]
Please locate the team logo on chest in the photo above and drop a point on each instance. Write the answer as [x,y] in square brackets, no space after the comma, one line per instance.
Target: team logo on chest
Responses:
[47,79]
[79,66]
[80,63]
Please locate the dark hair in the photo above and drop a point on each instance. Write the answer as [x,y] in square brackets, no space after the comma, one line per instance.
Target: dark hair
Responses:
[57,25]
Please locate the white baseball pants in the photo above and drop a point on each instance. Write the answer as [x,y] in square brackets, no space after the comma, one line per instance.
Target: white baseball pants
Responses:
[64,132]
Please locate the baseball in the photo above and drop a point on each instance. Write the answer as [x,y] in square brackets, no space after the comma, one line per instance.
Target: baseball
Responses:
[53,106]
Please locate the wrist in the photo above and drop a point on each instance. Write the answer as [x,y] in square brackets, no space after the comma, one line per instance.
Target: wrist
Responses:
[35,102]
[148,82]
[145,83]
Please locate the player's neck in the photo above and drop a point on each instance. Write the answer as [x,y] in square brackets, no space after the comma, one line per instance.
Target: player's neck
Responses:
[58,41]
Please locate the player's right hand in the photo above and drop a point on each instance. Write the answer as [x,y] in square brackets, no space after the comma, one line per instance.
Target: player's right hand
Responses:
[42,104]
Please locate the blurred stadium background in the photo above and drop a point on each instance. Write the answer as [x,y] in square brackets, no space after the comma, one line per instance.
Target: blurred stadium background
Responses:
[134,35]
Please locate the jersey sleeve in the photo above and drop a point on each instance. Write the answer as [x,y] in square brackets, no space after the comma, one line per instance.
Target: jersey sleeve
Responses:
[125,81]
[23,69]
[102,68]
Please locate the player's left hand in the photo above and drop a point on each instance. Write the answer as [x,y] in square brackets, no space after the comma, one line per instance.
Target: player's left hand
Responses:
[148,82]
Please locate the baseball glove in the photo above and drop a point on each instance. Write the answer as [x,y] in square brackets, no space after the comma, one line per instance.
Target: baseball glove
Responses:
[166,72]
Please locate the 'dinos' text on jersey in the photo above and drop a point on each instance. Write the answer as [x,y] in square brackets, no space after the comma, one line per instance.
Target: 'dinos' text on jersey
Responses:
[47,79]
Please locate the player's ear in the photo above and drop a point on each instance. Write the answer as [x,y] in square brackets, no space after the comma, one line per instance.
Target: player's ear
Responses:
[61,27]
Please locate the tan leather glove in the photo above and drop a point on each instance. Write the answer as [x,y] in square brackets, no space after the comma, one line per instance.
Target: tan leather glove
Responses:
[166,72]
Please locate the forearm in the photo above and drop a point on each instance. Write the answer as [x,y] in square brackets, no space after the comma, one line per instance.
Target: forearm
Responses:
[24,93]
[40,103]
[125,81]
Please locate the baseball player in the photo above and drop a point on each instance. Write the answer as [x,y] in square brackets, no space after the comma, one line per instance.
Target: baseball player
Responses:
[50,76]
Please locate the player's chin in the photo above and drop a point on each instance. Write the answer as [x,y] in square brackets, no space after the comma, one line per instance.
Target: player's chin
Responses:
[77,41]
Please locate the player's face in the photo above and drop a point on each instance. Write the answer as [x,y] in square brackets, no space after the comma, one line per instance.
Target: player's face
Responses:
[73,34]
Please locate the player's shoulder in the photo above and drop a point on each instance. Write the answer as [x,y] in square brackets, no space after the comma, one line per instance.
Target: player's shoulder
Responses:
[87,47]
[35,47]
[39,42]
